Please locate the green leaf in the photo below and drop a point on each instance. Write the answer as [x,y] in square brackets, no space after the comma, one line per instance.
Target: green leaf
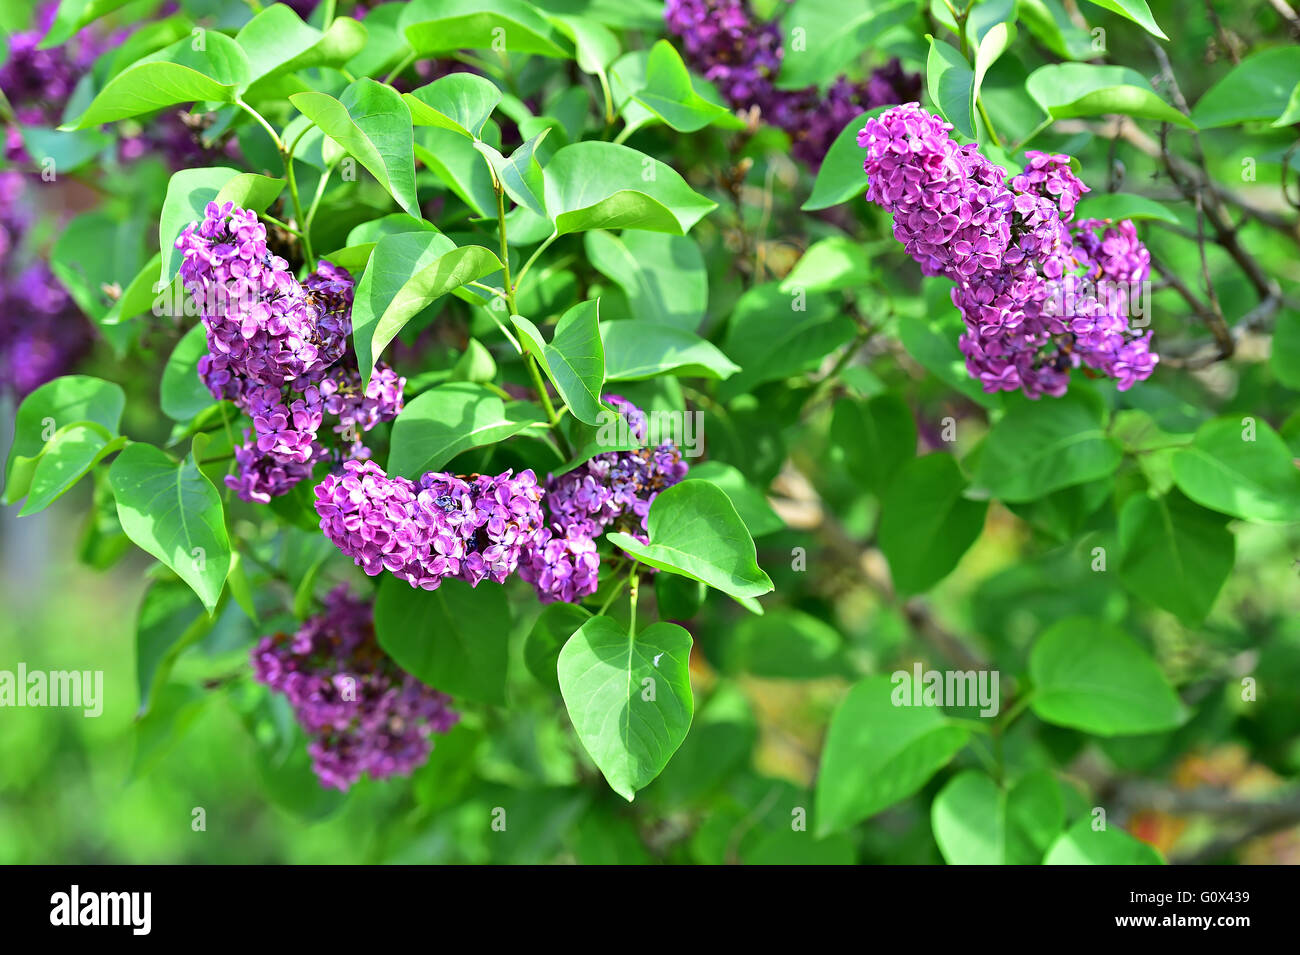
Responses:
[1257,88]
[976,822]
[663,276]
[62,152]
[598,185]
[875,438]
[1090,676]
[1081,845]
[841,177]
[1118,206]
[774,335]
[669,94]
[1067,90]
[373,123]
[1042,446]
[1050,23]
[277,41]
[54,406]
[188,193]
[95,251]
[442,26]
[65,460]
[877,753]
[696,532]
[636,350]
[139,295]
[172,511]
[951,85]
[750,503]
[455,161]
[932,345]
[1135,10]
[183,393]
[170,619]
[1285,357]
[832,35]
[785,645]
[176,74]
[629,697]
[405,273]
[1175,554]
[988,49]
[362,240]
[574,359]
[520,176]
[926,525]
[1240,468]
[835,262]
[440,423]
[460,102]
[555,625]
[72,15]
[453,638]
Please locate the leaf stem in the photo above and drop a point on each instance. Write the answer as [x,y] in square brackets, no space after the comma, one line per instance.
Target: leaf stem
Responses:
[634,581]
[519,280]
[988,123]
[275,137]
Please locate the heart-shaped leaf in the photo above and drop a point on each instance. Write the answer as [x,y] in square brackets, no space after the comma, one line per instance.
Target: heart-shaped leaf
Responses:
[1081,844]
[277,41]
[1240,468]
[405,273]
[441,26]
[176,74]
[440,423]
[635,350]
[574,359]
[188,193]
[951,85]
[977,822]
[629,697]
[453,638]
[461,102]
[1066,90]
[926,524]
[1090,676]
[172,511]
[696,532]
[599,185]
[639,262]
[373,123]
[878,753]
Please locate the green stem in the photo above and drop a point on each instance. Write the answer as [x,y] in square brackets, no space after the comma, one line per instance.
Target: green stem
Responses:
[613,595]
[623,135]
[988,123]
[635,581]
[297,212]
[1032,133]
[275,137]
[283,225]
[397,70]
[519,280]
[315,201]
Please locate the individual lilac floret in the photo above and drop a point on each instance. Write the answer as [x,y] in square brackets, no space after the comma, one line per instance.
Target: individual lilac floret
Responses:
[561,567]
[1026,286]
[362,713]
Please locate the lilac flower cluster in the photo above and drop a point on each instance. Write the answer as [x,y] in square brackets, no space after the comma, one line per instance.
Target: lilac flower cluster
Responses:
[278,349]
[1038,296]
[613,489]
[42,332]
[741,55]
[471,529]
[362,712]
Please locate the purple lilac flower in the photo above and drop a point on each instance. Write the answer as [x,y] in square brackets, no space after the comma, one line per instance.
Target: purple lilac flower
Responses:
[1011,253]
[741,55]
[613,489]
[363,714]
[257,315]
[471,529]
[561,566]
[358,411]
